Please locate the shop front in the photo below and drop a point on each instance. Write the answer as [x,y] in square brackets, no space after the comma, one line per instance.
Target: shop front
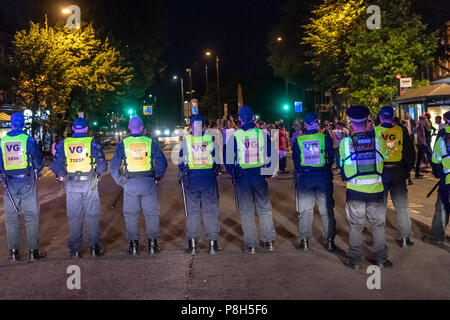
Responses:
[434,99]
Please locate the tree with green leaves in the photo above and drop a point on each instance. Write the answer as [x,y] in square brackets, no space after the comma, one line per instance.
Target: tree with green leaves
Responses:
[65,71]
[328,34]
[401,45]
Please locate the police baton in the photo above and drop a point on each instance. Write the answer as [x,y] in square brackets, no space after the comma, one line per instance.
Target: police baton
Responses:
[5,187]
[234,182]
[434,188]
[184,193]
[297,207]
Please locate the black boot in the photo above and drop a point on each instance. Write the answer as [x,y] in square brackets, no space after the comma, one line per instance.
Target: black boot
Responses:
[36,255]
[303,245]
[269,246]
[250,250]
[14,255]
[330,244]
[213,247]
[385,264]
[96,251]
[406,242]
[133,249]
[74,254]
[192,246]
[153,246]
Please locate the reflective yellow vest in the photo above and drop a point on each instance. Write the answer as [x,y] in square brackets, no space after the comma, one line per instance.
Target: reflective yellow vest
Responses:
[14,150]
[138,151]
[363,169]
[394,142]
[78,155]
[441,154]
[312,147]
[250,148]
[199,151]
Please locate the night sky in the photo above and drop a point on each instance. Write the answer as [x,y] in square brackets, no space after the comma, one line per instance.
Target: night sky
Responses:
[236,30]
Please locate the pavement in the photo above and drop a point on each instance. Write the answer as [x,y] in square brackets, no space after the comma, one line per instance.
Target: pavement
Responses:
[419,272]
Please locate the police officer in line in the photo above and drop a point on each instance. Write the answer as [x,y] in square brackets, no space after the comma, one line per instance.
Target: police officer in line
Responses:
[245,158]
[313,156]
[399,162]
[21,162]
[79,161]
[362,157]
[441,170]
[198,170]
[144,165]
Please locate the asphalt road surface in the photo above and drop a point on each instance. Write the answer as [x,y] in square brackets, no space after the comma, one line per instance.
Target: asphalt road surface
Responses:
[419,272]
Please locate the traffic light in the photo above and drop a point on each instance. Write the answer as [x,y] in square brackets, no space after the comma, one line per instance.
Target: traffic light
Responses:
[286,107]
[130,111]
[95,123]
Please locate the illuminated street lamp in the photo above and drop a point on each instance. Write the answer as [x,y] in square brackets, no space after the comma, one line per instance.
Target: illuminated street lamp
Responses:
[182,95]
[208,54]
[279,39]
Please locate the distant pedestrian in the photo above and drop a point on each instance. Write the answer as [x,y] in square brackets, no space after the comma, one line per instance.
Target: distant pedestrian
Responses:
[422,147]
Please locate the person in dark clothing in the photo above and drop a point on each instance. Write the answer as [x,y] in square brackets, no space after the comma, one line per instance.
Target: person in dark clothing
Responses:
[21,162]
[247,156]
[397,165]
[313,157]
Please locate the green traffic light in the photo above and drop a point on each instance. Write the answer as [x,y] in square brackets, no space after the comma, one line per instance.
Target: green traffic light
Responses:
[130,111]
[95,123]
[286,107]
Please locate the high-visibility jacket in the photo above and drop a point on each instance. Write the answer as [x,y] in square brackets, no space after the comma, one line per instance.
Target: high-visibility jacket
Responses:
[394,142]
[14,150]
[312,147]
[250,148]
[441,154]
[138,154]
[79,155]
[199,151]
[363,165]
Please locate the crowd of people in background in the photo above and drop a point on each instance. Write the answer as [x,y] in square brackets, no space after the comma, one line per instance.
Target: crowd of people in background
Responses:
[422,132]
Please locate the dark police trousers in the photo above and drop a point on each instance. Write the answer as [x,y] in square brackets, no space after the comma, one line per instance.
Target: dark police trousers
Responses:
[253,192]
[307,197]
[206,200]
[83,205]
[440,221]
[394,182]
[25,197]
[141,193]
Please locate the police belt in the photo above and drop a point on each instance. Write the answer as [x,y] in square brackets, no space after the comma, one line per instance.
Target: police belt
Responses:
[391,165]
[18,176]
[139,174]
[79,176]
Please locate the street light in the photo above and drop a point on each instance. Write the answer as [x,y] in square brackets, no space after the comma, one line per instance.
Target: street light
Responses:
[65,11]
[279,39]
[182,96]
[208,54]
